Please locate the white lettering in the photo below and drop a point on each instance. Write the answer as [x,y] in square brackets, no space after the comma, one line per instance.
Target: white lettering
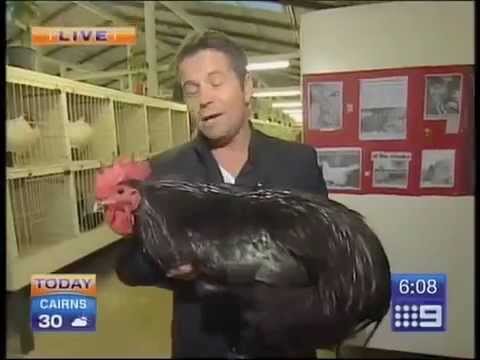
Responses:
[63,304]
[43,304]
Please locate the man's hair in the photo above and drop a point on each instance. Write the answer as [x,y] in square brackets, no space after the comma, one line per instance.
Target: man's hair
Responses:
[214,40]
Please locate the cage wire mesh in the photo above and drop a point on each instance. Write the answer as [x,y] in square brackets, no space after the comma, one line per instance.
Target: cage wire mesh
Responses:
[90,128]
[159,129]
[85,190]
[180,132]
[35,126]
[40,210]
[131,127]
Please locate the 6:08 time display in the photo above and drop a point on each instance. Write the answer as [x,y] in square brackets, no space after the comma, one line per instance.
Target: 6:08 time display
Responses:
[418,285]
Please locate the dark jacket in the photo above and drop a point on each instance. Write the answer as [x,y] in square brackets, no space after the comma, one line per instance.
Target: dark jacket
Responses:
[210,330]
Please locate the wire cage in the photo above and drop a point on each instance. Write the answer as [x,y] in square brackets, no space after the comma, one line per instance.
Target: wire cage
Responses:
[91,128]
[84,184]
[180,127]
[40,207]
[132,131]
[35,126]
[159,129]
[59,132]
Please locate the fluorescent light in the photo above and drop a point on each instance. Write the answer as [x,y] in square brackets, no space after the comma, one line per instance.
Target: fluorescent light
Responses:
[293,110]
[291,104]
[268,65]
[276,93]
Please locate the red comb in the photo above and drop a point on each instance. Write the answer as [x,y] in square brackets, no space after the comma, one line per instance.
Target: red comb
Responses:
[123,169]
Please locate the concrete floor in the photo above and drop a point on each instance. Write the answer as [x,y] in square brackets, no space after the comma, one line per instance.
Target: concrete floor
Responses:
[132,322]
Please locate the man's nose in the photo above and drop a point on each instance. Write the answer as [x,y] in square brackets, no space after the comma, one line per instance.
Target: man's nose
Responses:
[206,97]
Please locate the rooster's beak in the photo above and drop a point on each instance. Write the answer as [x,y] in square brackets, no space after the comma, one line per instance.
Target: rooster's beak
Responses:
[99,206]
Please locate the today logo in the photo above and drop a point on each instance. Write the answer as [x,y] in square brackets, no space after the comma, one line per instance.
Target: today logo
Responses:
[63,302]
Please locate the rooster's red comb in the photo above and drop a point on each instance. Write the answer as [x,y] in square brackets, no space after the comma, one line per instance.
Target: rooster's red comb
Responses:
[123,169]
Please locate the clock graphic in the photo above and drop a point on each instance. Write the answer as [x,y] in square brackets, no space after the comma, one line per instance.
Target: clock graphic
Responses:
[419,302]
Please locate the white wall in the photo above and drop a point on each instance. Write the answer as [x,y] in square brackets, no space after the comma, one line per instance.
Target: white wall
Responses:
[427,234]
[420,234]
[388,35]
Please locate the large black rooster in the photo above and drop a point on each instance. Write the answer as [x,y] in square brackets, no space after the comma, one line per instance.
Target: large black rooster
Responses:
[307,271]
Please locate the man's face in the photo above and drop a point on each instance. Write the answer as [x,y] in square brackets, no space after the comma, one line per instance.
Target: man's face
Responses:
[214,95]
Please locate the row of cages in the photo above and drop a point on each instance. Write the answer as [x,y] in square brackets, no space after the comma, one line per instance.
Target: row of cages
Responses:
[49,126]
[59,132]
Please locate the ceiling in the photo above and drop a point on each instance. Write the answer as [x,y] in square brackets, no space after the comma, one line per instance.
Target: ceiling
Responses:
[260,27]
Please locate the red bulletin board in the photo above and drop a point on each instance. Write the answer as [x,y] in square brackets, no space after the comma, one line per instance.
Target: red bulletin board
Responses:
[421,134]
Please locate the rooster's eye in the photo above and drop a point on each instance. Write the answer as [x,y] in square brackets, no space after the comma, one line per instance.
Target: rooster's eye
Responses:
[120,191]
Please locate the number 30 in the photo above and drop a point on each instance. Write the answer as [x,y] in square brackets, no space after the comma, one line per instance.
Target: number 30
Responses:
[47,321]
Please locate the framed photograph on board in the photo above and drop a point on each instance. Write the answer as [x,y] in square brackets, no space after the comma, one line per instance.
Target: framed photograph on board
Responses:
[383,108]
[341,167]
[443,96]
[391,169]
[326,105]
[438,168]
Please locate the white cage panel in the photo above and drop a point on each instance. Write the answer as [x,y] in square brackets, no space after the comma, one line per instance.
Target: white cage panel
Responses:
[180,127]
[259,126]
[91,128]
[131,127]
[84,181]
[41,213]
[159,129]
[35,126]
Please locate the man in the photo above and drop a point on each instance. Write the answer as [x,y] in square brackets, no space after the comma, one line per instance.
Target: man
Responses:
[217,90]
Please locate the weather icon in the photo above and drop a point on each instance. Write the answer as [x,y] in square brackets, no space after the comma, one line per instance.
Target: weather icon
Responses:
[80,322]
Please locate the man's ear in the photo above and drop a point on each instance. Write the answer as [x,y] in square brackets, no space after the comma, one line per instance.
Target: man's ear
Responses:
[248,87]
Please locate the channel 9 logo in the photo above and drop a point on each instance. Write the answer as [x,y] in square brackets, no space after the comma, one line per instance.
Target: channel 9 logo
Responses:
[419,302]
[63,302]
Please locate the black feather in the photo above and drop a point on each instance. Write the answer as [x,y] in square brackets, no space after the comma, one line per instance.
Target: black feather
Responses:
[300,264]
